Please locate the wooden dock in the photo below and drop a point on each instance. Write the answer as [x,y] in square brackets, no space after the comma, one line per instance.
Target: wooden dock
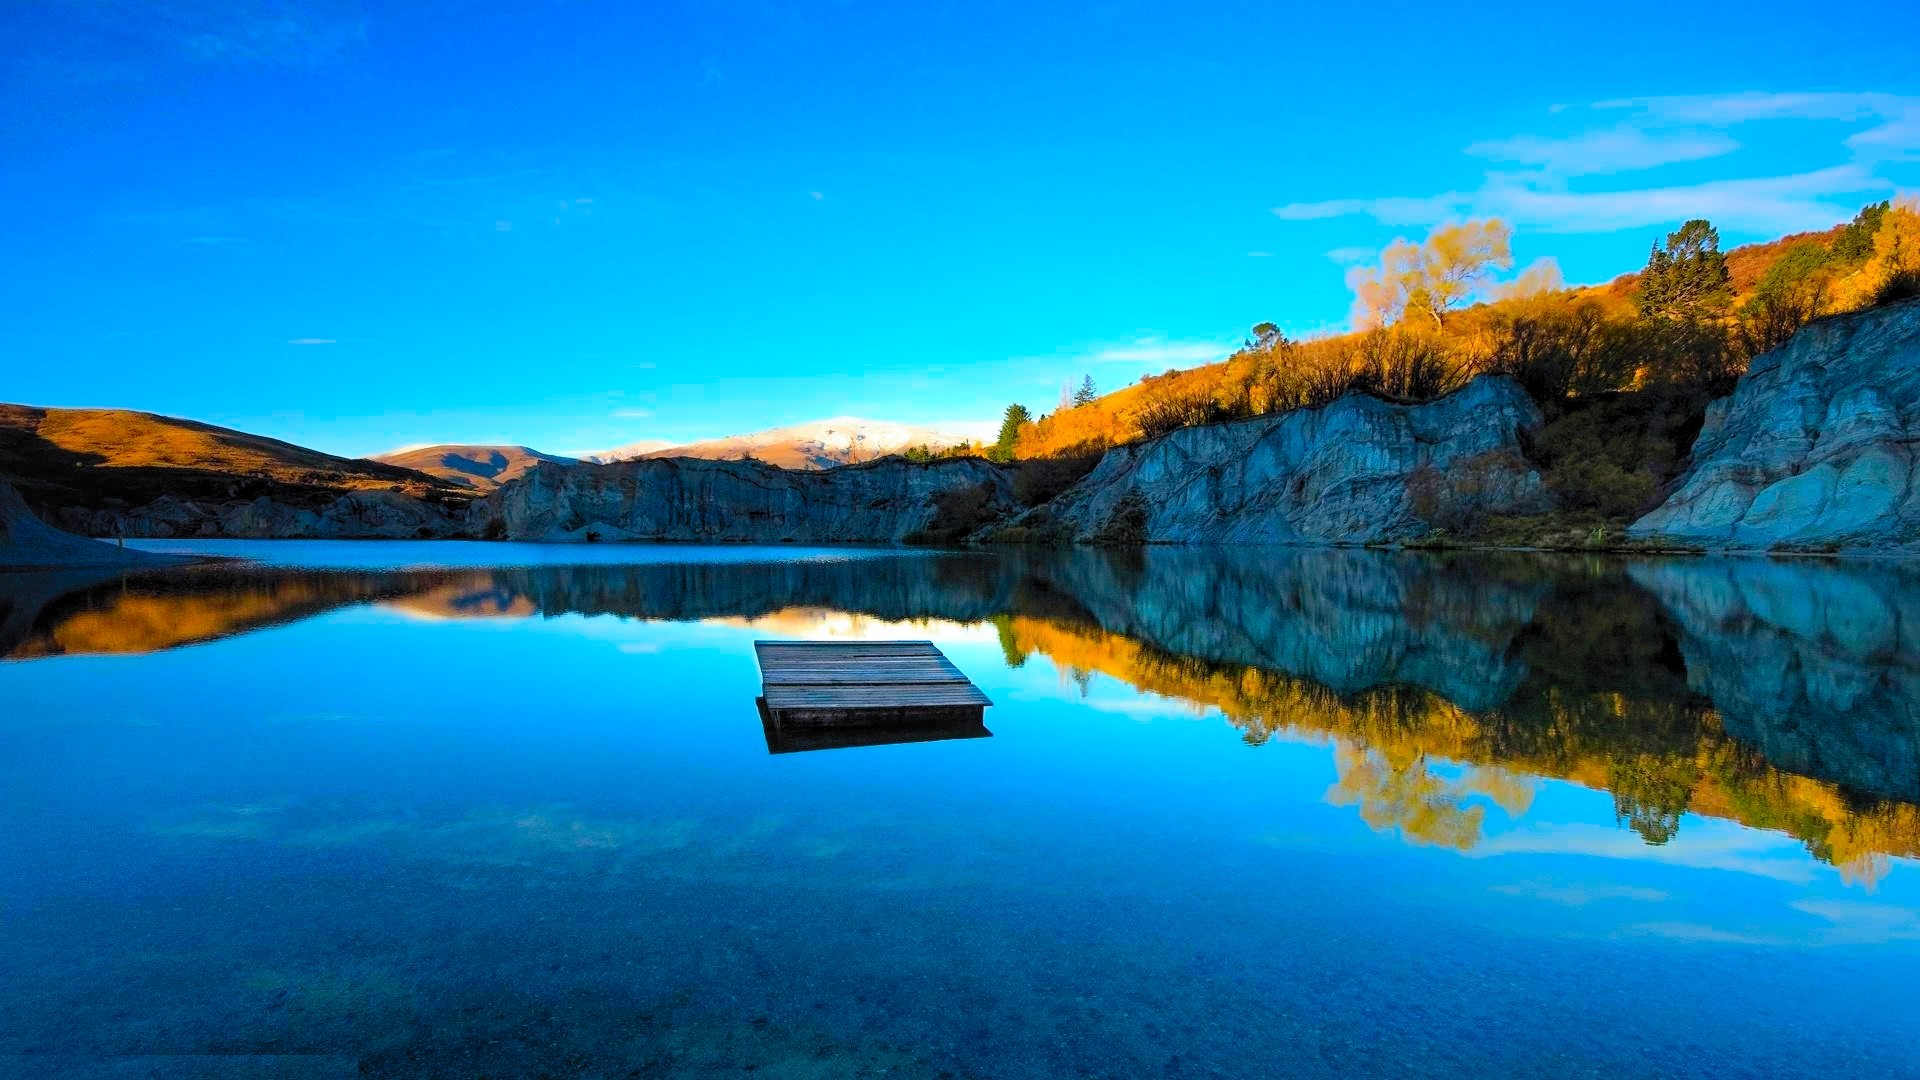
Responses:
[903,685]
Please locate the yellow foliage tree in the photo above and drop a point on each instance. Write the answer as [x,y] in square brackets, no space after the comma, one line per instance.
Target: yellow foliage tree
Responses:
[1433,277]
[1896,256]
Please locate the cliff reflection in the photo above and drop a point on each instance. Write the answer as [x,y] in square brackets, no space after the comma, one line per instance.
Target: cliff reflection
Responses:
[1785,696]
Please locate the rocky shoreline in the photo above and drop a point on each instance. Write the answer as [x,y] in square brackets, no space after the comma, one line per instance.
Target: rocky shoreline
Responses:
[1814,452]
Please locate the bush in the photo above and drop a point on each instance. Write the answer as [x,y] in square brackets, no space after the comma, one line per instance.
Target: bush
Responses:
[957,514]
[1036,480]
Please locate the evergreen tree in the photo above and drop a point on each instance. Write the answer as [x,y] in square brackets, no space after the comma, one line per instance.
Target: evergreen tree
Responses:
[1855,242]
[1687,278]
[1086,393]
[1016,416]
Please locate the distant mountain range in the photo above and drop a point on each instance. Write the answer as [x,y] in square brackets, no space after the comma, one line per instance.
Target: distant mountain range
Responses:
[823,444]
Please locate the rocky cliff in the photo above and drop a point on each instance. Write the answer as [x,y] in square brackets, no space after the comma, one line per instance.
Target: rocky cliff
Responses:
[26,541]
[746,501]
[352,515]
[1815,448]
[1359,470]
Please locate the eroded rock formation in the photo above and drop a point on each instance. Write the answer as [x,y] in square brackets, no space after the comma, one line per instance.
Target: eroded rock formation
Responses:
[1359,470]
[746,501]
[1815,447]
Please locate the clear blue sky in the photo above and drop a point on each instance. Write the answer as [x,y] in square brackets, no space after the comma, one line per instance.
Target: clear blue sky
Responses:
[574,225]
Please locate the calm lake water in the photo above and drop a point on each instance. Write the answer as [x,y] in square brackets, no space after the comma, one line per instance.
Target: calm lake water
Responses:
[423,809]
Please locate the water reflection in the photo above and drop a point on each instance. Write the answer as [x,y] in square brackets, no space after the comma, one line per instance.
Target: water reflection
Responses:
[1779,695]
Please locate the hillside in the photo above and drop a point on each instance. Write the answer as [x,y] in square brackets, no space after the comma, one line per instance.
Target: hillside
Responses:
[479,468]
[823,444]
[1563,343]
[95,471]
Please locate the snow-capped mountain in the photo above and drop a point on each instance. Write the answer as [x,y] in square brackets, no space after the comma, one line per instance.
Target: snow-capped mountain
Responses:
[823,444]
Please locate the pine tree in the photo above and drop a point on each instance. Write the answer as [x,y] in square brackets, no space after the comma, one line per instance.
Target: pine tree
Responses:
[1686,279]
[1086,393]
[1016,417]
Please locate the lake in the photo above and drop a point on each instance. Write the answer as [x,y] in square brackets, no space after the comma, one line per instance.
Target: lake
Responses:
[426,809]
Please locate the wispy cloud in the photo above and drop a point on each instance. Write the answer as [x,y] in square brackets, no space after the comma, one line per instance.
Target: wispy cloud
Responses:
[1645,134]
[264,31]
[1614,150]
[1580,895]
[311,341]
[1158,351]
[1701,845]
[1350,256]
[631,414]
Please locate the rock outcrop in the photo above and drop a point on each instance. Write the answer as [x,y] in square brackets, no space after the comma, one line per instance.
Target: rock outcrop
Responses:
[1360,470]
[1815,449]
[354,515]
[28,542]
[746,501]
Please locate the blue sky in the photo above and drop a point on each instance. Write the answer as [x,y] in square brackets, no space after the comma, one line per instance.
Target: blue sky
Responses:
[574,225]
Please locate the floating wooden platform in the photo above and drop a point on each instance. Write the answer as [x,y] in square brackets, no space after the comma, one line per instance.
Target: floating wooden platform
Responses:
[906,685]
[799,738]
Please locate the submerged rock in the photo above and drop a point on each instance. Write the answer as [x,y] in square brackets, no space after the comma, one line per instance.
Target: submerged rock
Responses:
[746,501]
[1814,450]
[1359,470]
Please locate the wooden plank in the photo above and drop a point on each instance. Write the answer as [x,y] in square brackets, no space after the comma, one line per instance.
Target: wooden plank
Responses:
[856,697]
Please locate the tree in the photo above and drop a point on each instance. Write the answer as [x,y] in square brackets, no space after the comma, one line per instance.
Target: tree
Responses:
[1433,277]
[1855,242]
[1086,393]
[1016,417]
[1266,336]
[1687,279]
[1792,293]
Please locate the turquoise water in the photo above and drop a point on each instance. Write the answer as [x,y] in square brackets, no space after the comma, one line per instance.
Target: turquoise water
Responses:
[417,809]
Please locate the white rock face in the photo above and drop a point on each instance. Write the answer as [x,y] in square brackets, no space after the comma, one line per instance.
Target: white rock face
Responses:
[742,501]
[1814,449]
[1359,470]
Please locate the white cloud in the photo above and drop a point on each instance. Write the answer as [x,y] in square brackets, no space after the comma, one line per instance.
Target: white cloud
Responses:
[311,341]
[1590,153]
[632,414]
[1158,351]
[816,196]
[1661,131]
[1351,256]
[1701,845]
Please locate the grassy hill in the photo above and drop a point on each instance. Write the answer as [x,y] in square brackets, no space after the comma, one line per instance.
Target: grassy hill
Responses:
[478,468]
[1599,328]
[103,457]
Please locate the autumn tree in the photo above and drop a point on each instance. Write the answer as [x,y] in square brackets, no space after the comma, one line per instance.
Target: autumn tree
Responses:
[1431,278]
[1015,418]
[1793,292]
[1686,279]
